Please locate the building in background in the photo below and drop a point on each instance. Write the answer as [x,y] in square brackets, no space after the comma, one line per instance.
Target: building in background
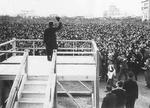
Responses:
[112,12]
[145,9]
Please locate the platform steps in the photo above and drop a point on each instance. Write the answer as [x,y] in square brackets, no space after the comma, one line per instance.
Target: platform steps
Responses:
[33,93]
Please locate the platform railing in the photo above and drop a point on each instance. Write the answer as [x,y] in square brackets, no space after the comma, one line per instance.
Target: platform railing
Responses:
[18,79]
[8,46]
[74,47]
[65,47]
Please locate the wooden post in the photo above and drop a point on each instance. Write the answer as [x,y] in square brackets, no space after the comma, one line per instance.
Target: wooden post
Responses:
[6,48]
[33,48]
[55,98]
[92,96]
[14,46]
[26,67]
[73,48]
[96,82]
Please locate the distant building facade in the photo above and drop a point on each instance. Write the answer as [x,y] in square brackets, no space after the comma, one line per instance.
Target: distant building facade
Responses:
[112,12]
[145,9]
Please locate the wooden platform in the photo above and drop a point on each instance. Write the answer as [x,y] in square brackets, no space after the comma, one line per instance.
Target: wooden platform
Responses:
[75,68]
[68,67]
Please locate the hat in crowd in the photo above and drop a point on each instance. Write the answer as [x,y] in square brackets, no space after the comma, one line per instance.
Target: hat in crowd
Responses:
[50,23]
[130,74]
[108,88]
[119,83]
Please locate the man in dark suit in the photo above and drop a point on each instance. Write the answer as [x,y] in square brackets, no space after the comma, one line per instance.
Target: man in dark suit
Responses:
[121,95]
[131,88]
[50,38]
[109,100]
[147,72]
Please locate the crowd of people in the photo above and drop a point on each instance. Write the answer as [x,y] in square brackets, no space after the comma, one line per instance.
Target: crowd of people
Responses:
[123,96]
[123,43]
[117,39]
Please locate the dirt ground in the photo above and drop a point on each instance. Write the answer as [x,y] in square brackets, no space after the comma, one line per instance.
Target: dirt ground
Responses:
[85,101]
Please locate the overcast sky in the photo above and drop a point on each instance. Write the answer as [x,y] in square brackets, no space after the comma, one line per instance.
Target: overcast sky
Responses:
[68,7]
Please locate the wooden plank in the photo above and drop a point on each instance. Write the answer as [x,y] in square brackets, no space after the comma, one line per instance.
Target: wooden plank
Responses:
[10,51]
[75,78]
[67,92]
[5,43]
[80,70]
[9,69]
[75,92]
[38,65]
[7,77]
[76,64]
[71,52]
[9,63]
[75,59]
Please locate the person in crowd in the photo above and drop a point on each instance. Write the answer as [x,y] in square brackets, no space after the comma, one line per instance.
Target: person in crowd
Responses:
[50,38]
[131,88]
[121,95]
[147,72]
[111,74]
[109,101]
[138,63]
[123,68]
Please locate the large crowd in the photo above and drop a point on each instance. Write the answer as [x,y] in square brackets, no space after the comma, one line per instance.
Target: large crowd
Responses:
[116,38]
[122,42]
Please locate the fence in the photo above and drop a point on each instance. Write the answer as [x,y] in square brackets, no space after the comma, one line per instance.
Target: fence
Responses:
[65,47]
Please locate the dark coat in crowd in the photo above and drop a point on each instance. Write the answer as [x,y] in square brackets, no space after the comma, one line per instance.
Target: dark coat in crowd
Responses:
[109,101]
[121,97]
[131,88]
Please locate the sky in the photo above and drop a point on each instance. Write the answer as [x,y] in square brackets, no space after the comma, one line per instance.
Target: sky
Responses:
[94,8]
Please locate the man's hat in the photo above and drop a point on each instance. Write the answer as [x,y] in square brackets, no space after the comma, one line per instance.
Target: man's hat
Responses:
[119,83]
[50,23]
[108,88]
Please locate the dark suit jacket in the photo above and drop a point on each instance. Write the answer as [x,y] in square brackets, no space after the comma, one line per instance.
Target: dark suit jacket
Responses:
[50,36]
[109,101]
[131,88]
[121,97]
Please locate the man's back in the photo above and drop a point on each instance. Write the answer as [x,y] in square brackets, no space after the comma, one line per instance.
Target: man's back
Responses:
[131,88]
[121,96]
[50,33]
[109,101]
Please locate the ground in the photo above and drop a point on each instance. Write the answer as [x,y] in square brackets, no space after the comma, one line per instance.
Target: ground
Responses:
[85,101]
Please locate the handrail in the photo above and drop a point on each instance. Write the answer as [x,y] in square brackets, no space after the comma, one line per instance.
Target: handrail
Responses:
[40,40]
[52,92]
[51,82]
[94,45]
[10,51]
[16,84]
[75,48]
[57,40]
[8,42]
[12,43]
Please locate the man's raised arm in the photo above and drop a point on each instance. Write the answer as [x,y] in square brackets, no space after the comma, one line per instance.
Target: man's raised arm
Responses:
[60,24]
